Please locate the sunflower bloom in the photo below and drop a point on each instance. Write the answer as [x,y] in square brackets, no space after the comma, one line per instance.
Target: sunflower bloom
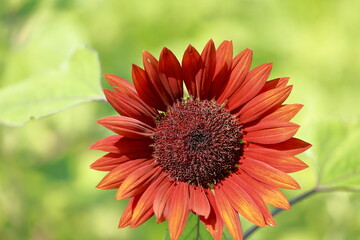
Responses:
[207,136]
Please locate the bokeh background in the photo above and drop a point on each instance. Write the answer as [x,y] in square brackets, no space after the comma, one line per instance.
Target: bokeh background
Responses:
[47,190]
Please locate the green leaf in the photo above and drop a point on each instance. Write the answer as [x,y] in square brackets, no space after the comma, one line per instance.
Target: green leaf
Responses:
[337,149]
[75,81]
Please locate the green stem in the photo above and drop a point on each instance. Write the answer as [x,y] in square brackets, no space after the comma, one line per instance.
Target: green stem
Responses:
[278,210]
[198,229]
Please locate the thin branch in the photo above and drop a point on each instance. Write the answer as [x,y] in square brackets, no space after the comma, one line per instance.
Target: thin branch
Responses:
[303,196]
[103,99]
[278,210]
[339,188]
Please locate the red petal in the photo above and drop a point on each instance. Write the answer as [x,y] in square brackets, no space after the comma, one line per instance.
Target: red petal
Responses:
[107,144]
[161,198]
[131,107]
[242,202]
[223,56]
[191,65]
[228,214]
[125,219]
[130,146]
[178,210]
[203,85]
[147,90]
[267,174]
[262,103]
[151,65]
[266,215]
[116,176]
[293,146]
[127,127]
[284,112]
[198,202]
[120,85]
[275,83]
[123,145]
[222,69]
[144,208]
[282,162]
[128,93]
[253,83]
[240,68]
[268,193]
[269,132]
[171,74]
[214,223]
[137,181]
[112,160]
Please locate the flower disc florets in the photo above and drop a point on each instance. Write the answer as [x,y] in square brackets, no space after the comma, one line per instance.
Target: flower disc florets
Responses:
[198,141]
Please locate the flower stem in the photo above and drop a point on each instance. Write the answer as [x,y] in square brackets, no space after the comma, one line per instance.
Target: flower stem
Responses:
[278,210]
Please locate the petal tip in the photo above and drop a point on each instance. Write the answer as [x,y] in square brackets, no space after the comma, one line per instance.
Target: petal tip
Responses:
[268,65]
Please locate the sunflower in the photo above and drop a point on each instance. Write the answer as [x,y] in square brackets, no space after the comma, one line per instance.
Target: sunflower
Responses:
[208,136]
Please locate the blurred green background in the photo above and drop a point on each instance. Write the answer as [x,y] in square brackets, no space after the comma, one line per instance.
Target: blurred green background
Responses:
[47,190]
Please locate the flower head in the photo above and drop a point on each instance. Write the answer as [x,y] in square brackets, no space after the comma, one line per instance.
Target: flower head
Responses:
[221,149]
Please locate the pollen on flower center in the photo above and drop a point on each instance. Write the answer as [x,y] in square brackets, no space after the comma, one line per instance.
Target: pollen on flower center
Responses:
[198,141]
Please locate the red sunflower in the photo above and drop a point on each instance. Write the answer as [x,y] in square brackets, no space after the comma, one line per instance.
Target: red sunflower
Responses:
[221,149]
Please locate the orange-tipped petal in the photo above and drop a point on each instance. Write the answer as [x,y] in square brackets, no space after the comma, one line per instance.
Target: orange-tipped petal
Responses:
[161,199]
[268,193]
[266,215]
[137,181]
[263,103]
[110,161]
[284,112]
[125,219]
[252,84]
[127,127]
[240,68]
[274,83]
[107,144]
[242,202]
[178,210]
[198,202]
[228,214]
[116,176]
[280,161]
[214,223]
[293,146]
[269,132]
[144,207]
[267,174]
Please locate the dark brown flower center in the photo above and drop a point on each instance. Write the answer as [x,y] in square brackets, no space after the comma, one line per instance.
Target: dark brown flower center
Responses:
[198,141]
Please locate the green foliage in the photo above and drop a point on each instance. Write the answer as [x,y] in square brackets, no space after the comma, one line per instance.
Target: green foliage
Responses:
[75,81]
[46,188]
[338,153]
